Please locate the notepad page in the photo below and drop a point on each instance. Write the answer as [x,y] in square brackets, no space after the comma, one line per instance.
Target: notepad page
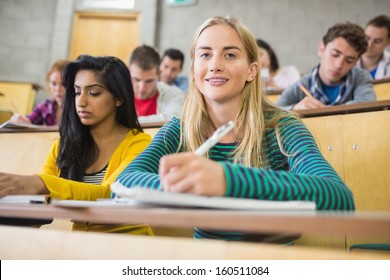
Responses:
[157,197]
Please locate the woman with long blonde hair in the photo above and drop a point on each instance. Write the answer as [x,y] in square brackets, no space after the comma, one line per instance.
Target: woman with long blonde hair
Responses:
[269,155]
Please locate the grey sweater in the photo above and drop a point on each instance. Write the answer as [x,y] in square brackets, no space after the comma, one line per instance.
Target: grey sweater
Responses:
[360,90]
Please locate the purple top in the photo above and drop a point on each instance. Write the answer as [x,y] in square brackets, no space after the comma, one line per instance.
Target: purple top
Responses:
[44,113]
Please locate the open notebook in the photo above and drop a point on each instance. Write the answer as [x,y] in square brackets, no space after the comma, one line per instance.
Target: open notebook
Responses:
[11,124]
[24,199]
[147,196]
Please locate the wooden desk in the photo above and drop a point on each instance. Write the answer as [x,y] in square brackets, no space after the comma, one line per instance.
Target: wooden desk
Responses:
[355,141]
[382,88]
[35,244]
[273,95]
[17,97]
[346,109]
[359,223]
[24,152]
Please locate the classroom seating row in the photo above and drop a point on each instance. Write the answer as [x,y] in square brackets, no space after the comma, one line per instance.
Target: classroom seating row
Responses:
[34,244]
[381,89]
[355,144]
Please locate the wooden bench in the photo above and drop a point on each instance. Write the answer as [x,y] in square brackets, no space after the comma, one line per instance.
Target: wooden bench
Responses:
[382,89]
[17,97]
[355,141]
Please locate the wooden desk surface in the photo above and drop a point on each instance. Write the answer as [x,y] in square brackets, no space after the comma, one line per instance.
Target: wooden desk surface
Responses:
[359,223]
[346,109]
[20,243]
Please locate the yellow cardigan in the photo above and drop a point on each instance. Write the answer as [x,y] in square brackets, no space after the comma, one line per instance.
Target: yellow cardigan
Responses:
[61,188]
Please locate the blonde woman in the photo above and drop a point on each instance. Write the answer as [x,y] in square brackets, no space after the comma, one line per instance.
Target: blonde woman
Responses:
[269,155]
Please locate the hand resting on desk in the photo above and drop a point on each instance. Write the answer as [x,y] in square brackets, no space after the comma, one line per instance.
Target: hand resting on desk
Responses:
[12,184]
[308,103]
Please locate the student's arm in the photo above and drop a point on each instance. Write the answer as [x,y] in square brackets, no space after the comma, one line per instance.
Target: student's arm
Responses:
[61,188]
[289,97]
[143,170]
[36,116]
[307,176]
[363,88]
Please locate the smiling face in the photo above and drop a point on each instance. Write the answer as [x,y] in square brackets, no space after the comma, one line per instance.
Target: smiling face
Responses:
[337,58]
[95,105]
[220,66]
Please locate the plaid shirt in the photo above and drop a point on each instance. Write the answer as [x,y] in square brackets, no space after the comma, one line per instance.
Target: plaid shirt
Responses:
[44,113]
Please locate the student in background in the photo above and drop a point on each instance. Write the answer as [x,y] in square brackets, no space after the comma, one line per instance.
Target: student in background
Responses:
[269,155]
[154,101]
[170,68]
[48,112]
[375,59]
[99,136]
[334,80]
[275,77]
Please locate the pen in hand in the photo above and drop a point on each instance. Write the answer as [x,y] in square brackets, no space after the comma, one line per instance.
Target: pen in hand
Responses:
[217,135]
[210,142]
[305,91]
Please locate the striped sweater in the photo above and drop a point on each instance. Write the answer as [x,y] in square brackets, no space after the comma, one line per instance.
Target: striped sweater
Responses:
[302,175]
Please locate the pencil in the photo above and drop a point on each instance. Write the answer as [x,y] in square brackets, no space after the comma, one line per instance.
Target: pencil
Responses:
[305,91]
[14,106]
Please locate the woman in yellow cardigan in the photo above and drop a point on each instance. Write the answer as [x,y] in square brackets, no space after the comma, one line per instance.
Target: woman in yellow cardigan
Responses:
[99,136]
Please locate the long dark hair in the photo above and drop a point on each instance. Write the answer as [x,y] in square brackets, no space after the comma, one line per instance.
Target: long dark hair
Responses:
[78,149]
[274,63]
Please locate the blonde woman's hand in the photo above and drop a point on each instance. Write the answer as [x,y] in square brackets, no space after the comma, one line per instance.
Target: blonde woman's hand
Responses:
[12,184]
[187,172]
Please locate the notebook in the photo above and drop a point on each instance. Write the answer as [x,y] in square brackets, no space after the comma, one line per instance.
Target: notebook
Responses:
[11,124]
[148,196]
[24,199]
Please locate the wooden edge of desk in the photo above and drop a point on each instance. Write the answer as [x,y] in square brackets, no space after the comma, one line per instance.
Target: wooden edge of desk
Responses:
[31,243]
[55,128]
[152,124]
[381,81]
[26,129]
[273,92]
[346,109]
[292,222]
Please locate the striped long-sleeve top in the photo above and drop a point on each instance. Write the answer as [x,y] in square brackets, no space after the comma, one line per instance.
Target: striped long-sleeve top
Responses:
[300,173]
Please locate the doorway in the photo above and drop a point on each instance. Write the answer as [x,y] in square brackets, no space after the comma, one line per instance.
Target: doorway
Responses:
[114,34]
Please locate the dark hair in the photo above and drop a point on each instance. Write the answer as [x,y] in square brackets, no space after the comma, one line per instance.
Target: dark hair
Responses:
[174,54]
[273,58]
[77,149]
[380,22]
[145,57]
[352,33]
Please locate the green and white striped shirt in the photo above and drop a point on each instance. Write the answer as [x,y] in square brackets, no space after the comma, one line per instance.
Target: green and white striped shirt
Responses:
[303,175]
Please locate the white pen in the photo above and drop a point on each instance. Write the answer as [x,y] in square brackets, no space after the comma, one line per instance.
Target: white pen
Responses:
[217,135]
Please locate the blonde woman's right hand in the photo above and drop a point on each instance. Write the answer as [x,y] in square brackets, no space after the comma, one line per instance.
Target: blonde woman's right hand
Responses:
[19,119]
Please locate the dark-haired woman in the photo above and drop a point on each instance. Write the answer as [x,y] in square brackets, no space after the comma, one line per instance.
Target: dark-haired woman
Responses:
[99,136]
